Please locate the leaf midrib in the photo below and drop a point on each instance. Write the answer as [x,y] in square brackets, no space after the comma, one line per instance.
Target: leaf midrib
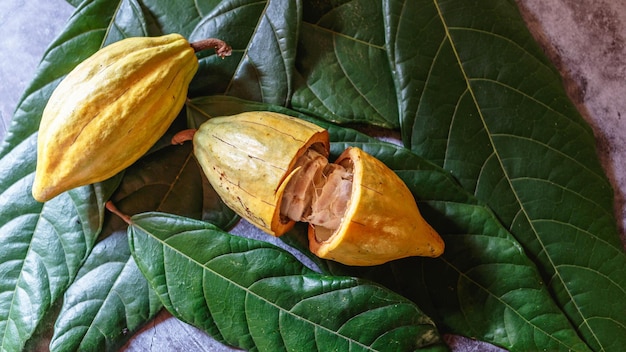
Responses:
[247,48]
[107,297]
[499,298]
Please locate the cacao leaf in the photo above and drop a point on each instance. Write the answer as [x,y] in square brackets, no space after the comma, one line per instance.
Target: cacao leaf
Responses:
[171,181]
[74,3]
[131,19]
[470,285]
[42,245]
[342,49]
[253,295]
[482,100]
[108,301]
[263,35]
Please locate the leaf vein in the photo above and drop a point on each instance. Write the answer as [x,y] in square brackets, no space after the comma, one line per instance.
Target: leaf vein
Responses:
[514,191]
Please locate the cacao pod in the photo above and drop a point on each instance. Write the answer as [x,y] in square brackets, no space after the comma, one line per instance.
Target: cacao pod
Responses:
[248,158]
[109,110]
[380,220]
[273,170]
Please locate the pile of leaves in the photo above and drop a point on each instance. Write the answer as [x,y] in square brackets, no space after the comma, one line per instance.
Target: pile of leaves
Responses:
[499,159]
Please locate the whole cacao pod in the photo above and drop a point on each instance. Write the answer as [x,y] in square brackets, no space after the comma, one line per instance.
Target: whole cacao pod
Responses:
[109,110]
[273,170]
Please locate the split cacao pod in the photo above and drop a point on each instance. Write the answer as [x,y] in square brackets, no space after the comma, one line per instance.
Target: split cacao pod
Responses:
[109,110]
[273,170]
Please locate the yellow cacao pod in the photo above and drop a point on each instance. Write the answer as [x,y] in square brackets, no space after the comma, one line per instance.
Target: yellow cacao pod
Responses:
[110,110]
[380,221]
[273,170]
[248,159]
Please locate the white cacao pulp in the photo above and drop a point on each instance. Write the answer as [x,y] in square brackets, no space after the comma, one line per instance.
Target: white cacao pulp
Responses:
[318,193]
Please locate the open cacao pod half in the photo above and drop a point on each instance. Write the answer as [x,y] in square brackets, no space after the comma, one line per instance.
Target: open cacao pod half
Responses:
[249,158]
[273,170]
[373,216]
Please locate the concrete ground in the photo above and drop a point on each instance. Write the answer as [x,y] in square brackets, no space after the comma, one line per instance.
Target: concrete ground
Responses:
[586,39]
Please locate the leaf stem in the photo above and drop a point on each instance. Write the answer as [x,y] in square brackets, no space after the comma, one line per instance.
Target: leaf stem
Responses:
[221,48]
[183,136]
[113,209]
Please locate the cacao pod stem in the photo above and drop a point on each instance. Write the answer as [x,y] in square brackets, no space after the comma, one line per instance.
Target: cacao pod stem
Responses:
[221,48]
[113,209]
[183,136]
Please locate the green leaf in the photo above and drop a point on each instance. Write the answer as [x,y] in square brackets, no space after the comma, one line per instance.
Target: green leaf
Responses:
[482,101]
[342,49]
[254,295]
[102,313]
[131,20]
[42,245]
[483,283]
[108,301]
[74,3]
[263,35]
[170,180]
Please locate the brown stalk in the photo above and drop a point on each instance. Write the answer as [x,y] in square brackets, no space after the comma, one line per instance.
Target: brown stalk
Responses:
[221,48]
[183,136]
[113,209]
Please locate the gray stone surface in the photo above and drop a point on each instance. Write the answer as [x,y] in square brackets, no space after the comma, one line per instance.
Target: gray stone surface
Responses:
[27,27]
[585,38]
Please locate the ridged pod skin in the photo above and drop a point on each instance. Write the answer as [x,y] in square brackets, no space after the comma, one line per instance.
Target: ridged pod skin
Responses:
[248,159]
[381,222]
[110,110]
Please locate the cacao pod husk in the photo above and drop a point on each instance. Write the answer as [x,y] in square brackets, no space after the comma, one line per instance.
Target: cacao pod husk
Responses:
[248,159]
[381,221]
[108,111]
